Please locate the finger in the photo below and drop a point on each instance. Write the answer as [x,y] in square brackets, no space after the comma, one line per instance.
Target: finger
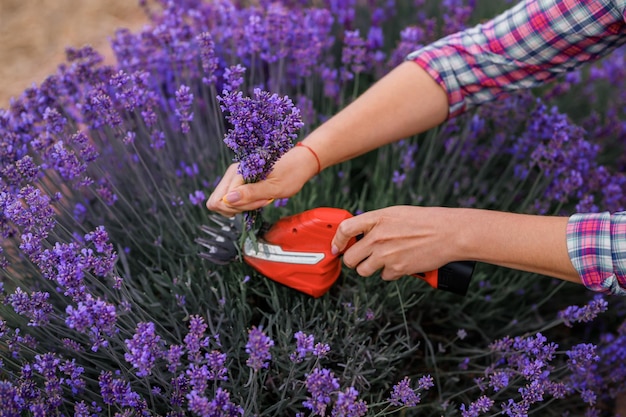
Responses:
[250,196]
[357,254]
[230,180]
[350,228]
[368,267]
[389,274]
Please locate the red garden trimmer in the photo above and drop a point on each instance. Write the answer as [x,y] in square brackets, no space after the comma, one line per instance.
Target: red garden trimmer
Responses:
[295,251]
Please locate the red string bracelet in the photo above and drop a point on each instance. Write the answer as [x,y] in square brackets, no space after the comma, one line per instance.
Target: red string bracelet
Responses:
[317,158]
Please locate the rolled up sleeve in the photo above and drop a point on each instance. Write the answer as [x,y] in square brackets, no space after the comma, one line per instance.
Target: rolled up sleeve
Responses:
[596,244]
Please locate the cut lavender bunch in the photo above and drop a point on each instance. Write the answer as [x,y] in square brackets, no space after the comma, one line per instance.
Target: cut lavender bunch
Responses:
[263,128]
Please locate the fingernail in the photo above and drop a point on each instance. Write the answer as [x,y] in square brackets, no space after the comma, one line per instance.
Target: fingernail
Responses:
[232,197]
[334,250]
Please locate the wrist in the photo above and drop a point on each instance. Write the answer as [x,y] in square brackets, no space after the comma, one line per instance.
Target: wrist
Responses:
[305,160]
[314,154]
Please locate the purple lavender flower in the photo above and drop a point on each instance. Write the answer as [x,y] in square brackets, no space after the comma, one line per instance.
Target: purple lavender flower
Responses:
[99,109]
[586,313]
[208,57]
[144,349]
[403,395]
[73,375]
[11,400]
[348,404]
[515,409]
[196,339]
[125,92]
[116,391]
[320,383]
[499,380]
[263,128]
[198,376]
[411,39]
[180,388]
[456,14]
[233,77]
[221,405]
[34,306]
[105,192]
[425,382]
[217,369]
[184,101]
[481,405]
[100,238]
[93,316]
[304,346]
[353,56]
[30,210]
[582,356]
[258,349]
[197,198]
[172,357]
[321,350]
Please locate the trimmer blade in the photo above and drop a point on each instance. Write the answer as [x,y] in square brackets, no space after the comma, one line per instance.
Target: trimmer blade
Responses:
[222,240]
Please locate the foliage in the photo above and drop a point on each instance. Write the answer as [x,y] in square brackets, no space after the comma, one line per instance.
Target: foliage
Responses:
[108,309]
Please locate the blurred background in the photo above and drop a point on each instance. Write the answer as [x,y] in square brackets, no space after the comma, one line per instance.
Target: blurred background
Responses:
[35,33]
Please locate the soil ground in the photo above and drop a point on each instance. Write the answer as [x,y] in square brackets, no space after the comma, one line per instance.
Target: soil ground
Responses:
[35,33]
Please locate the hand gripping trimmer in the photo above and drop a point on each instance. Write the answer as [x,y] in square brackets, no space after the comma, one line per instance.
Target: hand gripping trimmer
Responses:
[296,251]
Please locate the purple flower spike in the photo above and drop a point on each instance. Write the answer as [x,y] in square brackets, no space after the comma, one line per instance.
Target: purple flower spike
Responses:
[403,395]
[258,347]
[221,405]
[348,404]
[144,349]
[481,405]
[35,306]
[354,53]
[207,57]
[95,317]
[184,101]
[263,128]
[197,198]
[304,346]
[586,313]
[320,383]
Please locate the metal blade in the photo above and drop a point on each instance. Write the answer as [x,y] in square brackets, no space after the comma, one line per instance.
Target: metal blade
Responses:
[274,253]
[221,240]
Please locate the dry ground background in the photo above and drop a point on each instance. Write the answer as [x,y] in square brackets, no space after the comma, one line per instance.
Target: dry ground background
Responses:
[35,33]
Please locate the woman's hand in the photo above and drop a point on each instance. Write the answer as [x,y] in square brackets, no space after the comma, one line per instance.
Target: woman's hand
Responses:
[404,240]
[290,173]
[399,240]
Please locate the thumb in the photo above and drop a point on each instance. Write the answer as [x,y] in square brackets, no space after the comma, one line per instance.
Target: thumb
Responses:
[249,196]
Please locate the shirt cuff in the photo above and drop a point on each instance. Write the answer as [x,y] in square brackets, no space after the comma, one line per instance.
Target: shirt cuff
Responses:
[596,243]
[435,61]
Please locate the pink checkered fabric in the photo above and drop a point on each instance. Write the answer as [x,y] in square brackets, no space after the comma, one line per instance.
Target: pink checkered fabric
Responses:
[597,247]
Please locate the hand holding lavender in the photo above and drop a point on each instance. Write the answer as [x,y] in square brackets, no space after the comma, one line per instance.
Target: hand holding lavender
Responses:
[263,128]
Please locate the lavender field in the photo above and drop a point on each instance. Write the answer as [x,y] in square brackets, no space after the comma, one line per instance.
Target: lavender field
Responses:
[107,309]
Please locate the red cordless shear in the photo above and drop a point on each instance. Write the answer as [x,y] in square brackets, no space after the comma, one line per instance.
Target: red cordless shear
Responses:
[295,251]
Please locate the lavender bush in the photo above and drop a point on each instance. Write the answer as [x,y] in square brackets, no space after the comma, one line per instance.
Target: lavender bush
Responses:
[107,309]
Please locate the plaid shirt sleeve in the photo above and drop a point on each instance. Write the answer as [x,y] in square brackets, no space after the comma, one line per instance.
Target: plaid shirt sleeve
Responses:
[597,247]
[523,47]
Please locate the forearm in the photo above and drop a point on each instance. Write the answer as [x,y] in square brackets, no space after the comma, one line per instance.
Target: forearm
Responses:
[405,102]
[524,242]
